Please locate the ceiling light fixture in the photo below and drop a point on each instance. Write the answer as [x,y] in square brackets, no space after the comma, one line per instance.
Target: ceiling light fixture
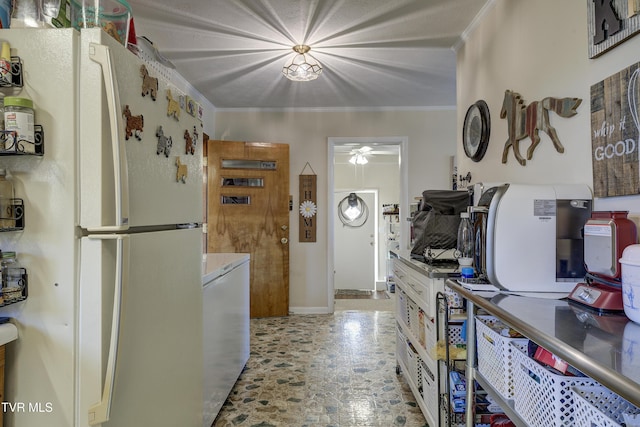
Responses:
[302,67]
[358,159]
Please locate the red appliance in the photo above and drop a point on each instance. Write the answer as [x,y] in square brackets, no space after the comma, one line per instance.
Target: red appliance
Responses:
[606,234]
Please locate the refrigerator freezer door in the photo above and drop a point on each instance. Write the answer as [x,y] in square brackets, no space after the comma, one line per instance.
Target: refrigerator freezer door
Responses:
[158,374]
[155,195]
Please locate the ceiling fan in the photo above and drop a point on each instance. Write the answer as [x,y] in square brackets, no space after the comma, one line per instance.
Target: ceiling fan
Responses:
[359,155]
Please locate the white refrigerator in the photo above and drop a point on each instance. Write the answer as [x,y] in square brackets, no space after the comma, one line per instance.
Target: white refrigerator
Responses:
[111,332]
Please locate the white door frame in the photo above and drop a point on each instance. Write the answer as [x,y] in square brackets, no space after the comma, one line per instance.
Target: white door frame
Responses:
[403,143]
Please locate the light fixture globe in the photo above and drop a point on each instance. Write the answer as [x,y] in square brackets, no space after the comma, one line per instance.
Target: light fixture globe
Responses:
[302,67]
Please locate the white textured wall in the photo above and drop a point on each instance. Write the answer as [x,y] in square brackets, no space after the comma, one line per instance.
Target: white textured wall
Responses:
[538,49]
[431,136]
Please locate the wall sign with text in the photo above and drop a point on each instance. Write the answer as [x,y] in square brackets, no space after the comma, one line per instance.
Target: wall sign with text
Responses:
[610,23]
[308,208]
[615,133]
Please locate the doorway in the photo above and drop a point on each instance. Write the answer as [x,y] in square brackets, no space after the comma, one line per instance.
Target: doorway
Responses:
[340,151]
[356,239]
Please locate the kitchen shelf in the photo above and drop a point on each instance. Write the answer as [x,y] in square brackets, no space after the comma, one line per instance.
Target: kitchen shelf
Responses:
[589,342]
[15,216]
[16,147]
[16,295]
[16,74]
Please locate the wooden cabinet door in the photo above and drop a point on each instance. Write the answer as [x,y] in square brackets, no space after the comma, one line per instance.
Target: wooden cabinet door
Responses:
[248,212]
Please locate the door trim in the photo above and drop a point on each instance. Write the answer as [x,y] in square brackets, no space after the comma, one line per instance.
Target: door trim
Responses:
[403,143]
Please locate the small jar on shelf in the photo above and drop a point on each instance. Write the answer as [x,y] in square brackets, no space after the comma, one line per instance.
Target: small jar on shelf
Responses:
[7,196]
[12,278]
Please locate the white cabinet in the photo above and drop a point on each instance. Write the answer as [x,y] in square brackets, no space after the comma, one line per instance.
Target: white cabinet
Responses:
[417,285]
[226,327]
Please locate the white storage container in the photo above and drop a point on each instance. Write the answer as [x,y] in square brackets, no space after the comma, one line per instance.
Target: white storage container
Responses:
[630,264]
[600,407]
[543,398]
[495,355]
[413,366]
[401,347]
[402,307]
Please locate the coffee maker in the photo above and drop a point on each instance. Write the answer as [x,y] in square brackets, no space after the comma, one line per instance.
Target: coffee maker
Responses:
[529,238]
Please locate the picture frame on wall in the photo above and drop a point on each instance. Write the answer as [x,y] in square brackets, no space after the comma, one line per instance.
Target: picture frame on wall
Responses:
[611,23]
[615,133]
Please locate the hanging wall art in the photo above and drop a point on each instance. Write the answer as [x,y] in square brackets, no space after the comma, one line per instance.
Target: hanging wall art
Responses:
[528,120]
[308,208]
[610,23]
[615,132]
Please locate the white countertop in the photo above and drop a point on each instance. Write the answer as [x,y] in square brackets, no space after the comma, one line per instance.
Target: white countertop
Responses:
[448,270]
[8,333]
[216,264]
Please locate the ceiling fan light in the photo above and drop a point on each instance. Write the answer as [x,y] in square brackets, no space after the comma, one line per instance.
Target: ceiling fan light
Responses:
[302,67]
[358,159]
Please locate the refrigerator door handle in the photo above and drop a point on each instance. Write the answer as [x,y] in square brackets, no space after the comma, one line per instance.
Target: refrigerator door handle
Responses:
[100,412]
[102,55]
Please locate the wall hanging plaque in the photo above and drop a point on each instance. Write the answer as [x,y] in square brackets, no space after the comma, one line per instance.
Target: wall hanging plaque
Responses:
[610,23]
[615,129]
[308,208]
[526,121]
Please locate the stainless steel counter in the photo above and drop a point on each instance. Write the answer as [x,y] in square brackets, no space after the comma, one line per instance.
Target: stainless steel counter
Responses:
[605,348]
[432,271]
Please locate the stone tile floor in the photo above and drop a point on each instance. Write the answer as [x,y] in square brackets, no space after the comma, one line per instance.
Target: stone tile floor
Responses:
[322,370]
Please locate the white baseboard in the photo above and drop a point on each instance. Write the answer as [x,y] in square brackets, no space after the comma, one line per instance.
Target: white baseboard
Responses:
[310,310]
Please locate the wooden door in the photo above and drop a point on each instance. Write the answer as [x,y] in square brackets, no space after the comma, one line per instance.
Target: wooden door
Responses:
[248,212]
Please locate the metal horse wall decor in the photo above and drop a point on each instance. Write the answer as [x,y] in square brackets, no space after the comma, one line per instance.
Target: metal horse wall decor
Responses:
[527,120]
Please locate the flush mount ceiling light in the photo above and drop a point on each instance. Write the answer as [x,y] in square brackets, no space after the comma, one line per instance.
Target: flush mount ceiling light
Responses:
[302,67]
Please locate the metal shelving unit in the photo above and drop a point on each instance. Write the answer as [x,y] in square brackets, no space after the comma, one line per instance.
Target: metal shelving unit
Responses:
[566,330]
[13,217]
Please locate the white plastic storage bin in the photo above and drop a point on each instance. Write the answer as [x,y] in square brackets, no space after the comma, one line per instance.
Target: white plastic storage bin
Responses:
[414,320]
[401,347]
[429,389]
[402,307]
[543,398]
[600,407]
[413,366]
[495,355]
[437,352]
[454,302]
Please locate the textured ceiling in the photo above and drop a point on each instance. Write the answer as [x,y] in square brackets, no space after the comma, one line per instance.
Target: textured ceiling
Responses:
[375,53]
